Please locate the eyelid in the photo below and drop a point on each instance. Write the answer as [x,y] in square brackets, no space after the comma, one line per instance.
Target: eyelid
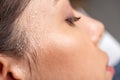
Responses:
[71,20]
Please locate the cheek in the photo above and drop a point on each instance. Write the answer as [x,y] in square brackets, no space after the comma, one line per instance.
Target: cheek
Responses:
[67,56]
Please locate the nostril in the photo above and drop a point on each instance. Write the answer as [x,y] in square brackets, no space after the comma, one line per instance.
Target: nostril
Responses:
[10,76]
[1,68]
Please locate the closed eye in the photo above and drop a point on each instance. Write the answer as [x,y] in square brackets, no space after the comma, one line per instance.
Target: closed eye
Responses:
[71,20]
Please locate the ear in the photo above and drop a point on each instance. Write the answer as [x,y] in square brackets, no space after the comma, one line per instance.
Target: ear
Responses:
[10,69]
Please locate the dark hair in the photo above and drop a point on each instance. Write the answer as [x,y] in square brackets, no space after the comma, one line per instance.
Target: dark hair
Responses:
[12,39]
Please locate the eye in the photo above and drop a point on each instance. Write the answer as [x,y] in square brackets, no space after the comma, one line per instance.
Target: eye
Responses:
[71,20]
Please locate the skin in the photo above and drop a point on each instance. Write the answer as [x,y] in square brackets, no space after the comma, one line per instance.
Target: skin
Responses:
[63,51]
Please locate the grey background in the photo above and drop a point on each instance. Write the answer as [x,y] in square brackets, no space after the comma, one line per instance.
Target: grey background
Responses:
[107,11]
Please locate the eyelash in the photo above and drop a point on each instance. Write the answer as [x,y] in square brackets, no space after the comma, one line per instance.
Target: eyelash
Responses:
[71,20]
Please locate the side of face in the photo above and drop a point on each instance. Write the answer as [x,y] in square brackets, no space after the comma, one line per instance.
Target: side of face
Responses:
[63,51]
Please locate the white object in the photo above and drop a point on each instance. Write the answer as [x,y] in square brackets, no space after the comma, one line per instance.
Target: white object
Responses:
[112,47]
[108,44]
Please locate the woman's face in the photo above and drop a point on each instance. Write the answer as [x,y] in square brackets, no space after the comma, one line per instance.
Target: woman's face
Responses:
[65,51]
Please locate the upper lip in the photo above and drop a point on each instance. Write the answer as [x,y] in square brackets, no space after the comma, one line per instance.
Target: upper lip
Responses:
[106,58]
[107,64]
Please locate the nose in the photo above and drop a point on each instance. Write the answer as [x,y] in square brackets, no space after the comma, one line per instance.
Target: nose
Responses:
[95,30]
[92,27]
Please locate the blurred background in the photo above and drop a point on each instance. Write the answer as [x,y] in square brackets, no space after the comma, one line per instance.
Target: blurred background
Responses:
[108,12]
